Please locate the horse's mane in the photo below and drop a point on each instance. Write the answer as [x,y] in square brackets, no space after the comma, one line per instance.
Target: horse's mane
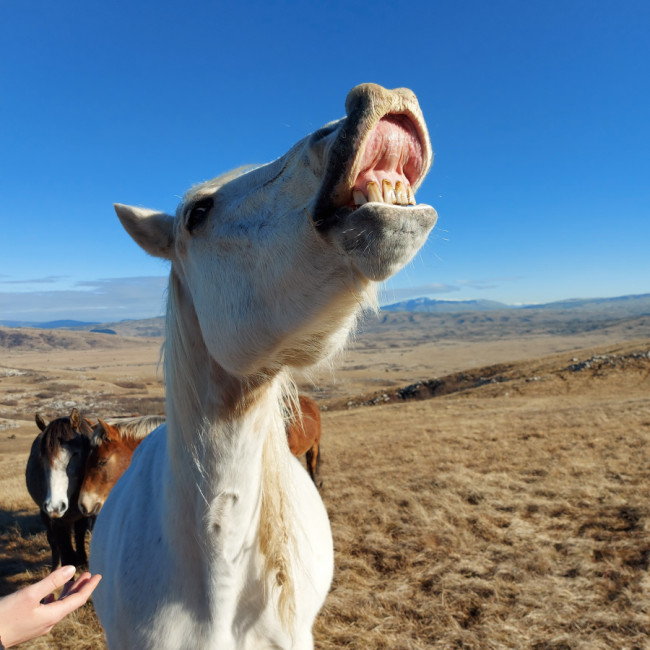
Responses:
[137,427]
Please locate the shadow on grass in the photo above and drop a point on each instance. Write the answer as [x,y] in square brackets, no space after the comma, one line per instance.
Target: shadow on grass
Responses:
[23,546]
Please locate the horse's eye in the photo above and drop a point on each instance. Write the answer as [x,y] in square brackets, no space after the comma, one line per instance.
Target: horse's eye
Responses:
[102,462]
[198,212]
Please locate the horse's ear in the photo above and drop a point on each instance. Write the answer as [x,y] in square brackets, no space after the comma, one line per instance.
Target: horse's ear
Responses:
[40,422]
[99,431]
[151,230]
[103,430]
[75,419]
[86,427]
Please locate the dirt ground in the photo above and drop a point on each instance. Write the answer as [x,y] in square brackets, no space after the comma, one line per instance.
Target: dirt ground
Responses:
[510,512]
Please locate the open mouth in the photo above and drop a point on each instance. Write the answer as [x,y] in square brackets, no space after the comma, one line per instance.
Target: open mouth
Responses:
[391,161]
[379,157]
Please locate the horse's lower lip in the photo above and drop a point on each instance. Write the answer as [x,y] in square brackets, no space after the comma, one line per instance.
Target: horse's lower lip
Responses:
[348,212]
[381,238]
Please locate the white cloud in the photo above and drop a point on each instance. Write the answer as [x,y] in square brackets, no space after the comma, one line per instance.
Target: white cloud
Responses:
[487,283]
[102,300]
[466,287]
[50,279]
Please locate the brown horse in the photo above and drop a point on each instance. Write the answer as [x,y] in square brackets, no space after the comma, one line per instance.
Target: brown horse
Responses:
[53,475]
[112,446]
[304,432]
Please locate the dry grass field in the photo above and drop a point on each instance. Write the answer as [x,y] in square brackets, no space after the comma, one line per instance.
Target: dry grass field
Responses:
[504,504]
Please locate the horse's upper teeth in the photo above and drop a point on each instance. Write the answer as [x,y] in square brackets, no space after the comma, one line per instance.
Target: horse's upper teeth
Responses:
[374,193]
[359,197]
[388,192]
[409,195]
[401,194]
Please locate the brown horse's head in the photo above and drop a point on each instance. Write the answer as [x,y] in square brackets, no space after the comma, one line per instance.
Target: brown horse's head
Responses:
[110,455]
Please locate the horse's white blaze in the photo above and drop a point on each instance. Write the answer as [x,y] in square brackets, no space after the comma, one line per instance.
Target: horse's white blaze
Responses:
[215,537]
[56,501]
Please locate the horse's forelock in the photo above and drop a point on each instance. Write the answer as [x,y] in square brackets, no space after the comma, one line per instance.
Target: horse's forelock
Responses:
[55,434]
[96,439]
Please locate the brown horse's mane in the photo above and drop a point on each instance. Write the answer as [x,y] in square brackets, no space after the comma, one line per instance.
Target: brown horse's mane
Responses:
[136,428]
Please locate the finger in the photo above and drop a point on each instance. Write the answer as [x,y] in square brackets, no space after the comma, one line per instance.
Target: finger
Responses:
[75,599]
[79,596]
[50,583]
[71,585]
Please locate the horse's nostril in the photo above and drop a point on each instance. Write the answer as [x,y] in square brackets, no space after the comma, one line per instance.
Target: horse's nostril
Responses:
[58,509]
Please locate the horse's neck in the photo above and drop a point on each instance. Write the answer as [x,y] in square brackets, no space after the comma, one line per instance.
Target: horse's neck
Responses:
[216,452]
[217,431]
[130,442]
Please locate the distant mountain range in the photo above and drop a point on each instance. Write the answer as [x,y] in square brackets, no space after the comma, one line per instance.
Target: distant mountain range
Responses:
[429,305]
[636,305]
[49,325]
[128,327]
[591,308]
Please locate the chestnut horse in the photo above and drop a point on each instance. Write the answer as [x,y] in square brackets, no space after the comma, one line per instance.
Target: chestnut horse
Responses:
[112,446]
[53,475]
[304,432]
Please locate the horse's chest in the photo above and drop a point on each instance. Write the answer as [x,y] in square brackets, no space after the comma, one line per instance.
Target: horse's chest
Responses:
[177,628]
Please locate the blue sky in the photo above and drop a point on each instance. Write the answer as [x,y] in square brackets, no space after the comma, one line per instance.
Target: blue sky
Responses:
[539,115]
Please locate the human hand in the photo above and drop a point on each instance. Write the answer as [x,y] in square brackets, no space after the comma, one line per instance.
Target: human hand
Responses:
[33,611]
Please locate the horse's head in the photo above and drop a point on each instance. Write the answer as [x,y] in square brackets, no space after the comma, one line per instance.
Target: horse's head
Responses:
[272,264]
[64,446]
[108,459]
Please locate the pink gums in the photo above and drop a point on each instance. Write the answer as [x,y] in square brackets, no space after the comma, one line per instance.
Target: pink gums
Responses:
[392,152]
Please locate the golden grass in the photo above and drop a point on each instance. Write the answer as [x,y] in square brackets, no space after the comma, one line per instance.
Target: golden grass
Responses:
[500,523]
[514,515]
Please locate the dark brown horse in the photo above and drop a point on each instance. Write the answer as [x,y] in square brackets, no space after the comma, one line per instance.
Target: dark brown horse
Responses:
[304,432]
[53,475]
[112,446]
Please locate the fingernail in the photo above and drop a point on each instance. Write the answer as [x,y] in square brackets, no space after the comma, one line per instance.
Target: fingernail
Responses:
[68,571]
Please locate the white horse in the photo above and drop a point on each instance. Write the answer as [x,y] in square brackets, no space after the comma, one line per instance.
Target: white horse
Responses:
[215,537]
